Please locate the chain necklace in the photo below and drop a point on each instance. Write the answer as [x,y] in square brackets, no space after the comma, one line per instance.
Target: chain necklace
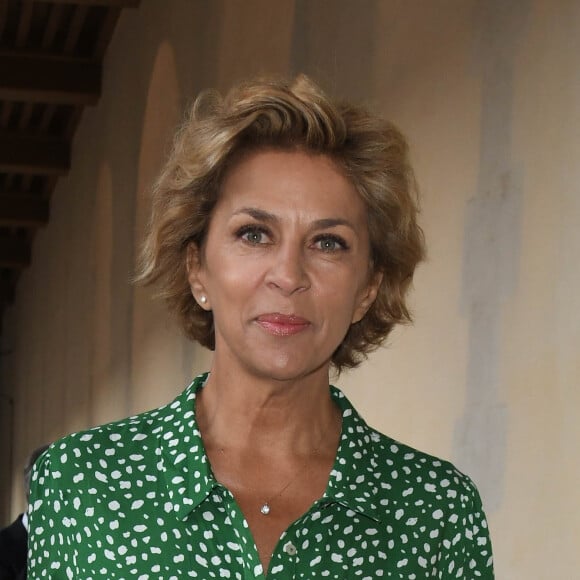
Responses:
[266,507]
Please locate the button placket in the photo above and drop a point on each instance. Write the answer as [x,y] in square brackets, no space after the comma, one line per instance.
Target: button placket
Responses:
[283,564]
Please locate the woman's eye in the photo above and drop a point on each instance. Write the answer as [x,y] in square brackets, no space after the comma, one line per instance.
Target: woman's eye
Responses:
[330,243]
[253,235]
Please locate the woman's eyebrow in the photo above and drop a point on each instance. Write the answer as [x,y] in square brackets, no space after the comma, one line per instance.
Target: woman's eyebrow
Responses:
[320,224]
[332,222]
[257,214]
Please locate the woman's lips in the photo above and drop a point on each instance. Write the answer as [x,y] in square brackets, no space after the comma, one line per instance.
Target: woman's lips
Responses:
[282,324]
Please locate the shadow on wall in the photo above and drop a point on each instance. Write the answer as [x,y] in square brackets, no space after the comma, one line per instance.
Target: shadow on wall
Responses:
[161,360]
[492,249]
[108,394]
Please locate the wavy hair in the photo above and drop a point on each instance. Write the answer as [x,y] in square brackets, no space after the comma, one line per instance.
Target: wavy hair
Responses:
[286,115]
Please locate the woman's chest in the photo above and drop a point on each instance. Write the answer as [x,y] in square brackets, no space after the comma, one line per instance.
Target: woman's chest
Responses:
[214,540]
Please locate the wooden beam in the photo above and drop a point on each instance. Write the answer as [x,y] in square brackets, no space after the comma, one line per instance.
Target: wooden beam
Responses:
[106,33]
[24,23]
[119,3]
[14,252]
[37,155]
[3,14]
[41,79]
[23,210]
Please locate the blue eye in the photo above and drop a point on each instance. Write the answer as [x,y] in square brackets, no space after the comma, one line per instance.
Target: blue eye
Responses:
[253,235]
[330,243]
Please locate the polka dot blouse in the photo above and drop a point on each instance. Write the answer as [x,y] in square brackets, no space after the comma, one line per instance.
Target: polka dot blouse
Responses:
[137,499]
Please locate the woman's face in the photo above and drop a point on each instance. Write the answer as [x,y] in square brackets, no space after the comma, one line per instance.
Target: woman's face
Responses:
[285,266]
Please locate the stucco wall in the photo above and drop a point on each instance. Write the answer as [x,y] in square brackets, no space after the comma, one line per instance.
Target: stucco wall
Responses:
[489,94]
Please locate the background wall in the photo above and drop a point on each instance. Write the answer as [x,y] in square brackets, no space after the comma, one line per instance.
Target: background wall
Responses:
[489,94]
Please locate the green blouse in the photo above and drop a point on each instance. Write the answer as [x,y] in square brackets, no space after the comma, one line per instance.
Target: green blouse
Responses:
[137,499]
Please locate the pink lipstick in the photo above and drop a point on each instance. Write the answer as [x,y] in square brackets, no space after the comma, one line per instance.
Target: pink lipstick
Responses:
[282,324]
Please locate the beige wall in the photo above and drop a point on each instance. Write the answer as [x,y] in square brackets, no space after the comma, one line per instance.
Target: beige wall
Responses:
[489,95]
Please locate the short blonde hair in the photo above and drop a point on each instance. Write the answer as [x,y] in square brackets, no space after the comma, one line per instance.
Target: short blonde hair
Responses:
[279,114]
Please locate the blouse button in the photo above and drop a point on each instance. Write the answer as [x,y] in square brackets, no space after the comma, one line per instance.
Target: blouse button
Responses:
[290,549]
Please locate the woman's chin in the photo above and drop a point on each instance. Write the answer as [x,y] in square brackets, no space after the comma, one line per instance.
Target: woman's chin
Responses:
[284,367]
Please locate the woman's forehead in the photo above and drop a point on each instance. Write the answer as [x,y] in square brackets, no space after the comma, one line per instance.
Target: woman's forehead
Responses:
[274,180]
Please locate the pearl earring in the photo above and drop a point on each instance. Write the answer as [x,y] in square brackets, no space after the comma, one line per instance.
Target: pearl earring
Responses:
[203,299]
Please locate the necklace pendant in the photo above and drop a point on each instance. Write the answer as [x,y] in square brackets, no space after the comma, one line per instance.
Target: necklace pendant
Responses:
[265,509]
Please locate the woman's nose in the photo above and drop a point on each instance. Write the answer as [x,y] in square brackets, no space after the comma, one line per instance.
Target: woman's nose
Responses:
[288,271]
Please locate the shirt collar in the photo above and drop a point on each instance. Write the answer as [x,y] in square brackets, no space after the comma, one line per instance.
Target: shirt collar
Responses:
[190,480]
[183,460]
[352,481]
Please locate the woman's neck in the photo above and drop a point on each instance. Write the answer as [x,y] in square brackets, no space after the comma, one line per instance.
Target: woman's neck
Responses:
[272,444]
[273,418]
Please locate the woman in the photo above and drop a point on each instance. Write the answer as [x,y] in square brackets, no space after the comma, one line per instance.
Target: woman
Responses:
[284,237]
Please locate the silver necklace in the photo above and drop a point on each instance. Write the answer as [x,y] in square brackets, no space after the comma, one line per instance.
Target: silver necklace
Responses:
[266,507]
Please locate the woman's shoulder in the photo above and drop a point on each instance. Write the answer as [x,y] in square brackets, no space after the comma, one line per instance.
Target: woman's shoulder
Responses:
[106,449]
[98,453]
[398,469]
[418,475]
[129,430]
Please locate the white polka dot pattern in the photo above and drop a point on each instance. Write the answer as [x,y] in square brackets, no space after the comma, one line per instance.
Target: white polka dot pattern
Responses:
[137,499]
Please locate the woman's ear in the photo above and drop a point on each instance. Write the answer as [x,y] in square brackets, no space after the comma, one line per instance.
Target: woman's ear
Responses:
[367,297]
[194,267]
